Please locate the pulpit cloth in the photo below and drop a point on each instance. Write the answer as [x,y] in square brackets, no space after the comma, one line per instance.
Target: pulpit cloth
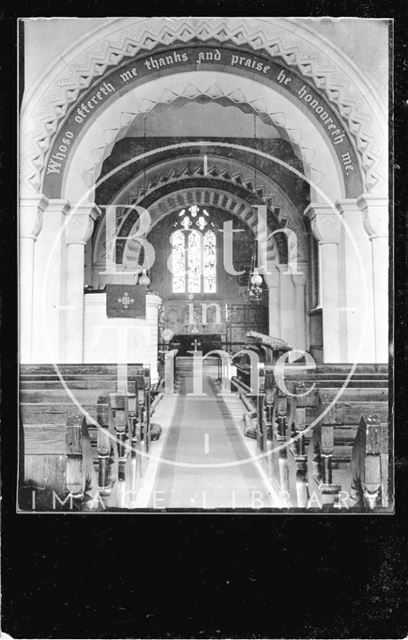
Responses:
[125,301]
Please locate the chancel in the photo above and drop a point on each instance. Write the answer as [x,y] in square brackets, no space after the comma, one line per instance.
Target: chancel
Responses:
[204,266]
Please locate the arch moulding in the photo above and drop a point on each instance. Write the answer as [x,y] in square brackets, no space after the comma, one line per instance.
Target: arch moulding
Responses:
[322,66]
[320,163]
[205,197]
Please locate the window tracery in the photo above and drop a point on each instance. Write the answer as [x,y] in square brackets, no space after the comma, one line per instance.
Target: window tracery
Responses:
[194,252]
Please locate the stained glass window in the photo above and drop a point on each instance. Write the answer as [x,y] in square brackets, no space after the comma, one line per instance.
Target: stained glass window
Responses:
[194,254]
[186,223]
[178,261]
[194,262]
[201,223]
[194,210]
[210,257]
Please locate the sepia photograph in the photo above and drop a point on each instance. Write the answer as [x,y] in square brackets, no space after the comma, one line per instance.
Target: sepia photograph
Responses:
[205,282]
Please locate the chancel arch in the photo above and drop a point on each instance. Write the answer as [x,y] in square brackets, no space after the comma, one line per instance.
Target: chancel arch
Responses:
[200,200]
[315,150]
[288,99]
[188,163]
[231,194]
[322,65]
[216,201]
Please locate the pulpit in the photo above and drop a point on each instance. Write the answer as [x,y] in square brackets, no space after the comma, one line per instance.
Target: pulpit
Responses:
[122,339]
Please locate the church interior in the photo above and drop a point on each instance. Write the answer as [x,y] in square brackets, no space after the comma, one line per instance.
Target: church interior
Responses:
[203,268]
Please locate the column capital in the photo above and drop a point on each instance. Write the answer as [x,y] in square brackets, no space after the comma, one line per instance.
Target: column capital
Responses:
[272,278]
[348,205]
[56,205]
[375,215]
[32,207]
[86,208]
[325,223]
[299,279]
[79,223]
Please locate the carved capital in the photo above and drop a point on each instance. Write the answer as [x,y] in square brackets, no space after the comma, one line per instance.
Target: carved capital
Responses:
[58,206]
[348,205]
[299,278]
[375,215]
[283,270]
[31,215]
[325,223]
[79,223]
[272,278]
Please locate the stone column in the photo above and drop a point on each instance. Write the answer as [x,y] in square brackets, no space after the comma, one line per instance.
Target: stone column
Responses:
[375,219]
[273,281]
[30,223]
[299,281]
[326,229]
[287,306]
[49,265]
[356,294]
[78,229]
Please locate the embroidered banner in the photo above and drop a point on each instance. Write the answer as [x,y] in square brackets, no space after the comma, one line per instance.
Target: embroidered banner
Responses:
[125,301]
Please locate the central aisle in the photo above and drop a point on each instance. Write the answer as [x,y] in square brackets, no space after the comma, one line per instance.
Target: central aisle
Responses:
[203,432]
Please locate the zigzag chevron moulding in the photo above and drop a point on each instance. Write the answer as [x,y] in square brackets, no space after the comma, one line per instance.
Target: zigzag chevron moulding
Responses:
[277,38]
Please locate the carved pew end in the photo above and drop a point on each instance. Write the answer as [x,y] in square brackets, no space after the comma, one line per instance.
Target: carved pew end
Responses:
[249,426]
[73,445]
[104,445]
[155,431]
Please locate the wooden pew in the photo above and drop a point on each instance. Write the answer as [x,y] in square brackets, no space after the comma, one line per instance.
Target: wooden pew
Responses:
[313,467]
[85,462]
[369,465]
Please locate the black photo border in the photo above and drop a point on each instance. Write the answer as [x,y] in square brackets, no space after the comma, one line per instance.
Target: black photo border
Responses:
[203,577]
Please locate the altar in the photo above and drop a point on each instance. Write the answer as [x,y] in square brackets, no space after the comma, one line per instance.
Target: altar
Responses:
[186,343]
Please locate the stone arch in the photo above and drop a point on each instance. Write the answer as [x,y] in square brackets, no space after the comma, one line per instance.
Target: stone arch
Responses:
[191,93]
[257,176]
[313,57]
[223,169]
[111,49]
[319,157]
[182,198]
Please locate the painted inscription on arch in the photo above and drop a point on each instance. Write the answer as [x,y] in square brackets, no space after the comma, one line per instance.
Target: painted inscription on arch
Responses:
[195,59]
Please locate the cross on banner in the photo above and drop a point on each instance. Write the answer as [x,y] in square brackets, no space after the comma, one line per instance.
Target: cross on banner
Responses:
[125,301]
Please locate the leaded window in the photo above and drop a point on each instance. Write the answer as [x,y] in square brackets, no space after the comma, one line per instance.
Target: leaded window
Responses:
[194,252]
